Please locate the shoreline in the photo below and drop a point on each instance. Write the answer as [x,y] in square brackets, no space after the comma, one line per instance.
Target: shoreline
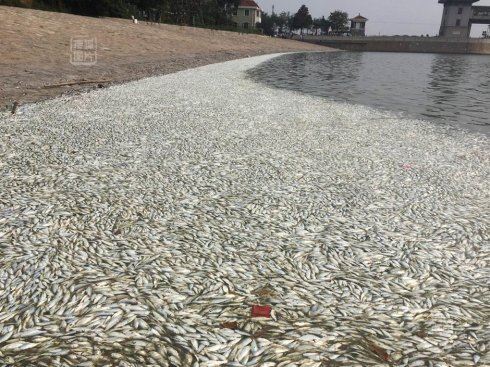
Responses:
[36,51]
[410,44]
[153,215]
[292,72]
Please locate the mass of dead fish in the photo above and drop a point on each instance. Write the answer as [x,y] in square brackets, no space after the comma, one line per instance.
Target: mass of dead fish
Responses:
[140,223]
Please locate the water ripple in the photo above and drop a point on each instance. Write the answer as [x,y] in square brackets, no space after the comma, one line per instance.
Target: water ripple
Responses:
[446,89]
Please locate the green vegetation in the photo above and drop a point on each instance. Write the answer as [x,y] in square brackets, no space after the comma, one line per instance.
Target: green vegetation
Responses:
[302,19]
[322,23]
[200,13]
[339,21]
[284,23]
[205,13]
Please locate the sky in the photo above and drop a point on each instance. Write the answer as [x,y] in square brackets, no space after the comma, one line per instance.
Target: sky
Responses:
[386,17]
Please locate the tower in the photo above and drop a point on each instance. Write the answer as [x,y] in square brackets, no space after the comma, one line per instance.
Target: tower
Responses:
[456,19]
[459,15]
[358,26]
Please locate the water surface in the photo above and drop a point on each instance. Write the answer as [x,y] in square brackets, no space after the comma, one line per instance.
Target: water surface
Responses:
[446,89]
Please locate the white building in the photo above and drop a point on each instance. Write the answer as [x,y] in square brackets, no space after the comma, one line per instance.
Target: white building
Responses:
[247,15]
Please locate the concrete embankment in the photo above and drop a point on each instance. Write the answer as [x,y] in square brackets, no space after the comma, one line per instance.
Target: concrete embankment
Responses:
[404,44]
[36,58]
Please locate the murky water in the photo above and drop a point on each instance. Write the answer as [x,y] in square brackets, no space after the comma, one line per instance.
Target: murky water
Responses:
[446,89]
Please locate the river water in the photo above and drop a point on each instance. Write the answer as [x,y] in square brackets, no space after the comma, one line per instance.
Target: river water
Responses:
[445,89]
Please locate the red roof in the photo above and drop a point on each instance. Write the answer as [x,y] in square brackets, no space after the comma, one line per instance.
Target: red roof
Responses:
[359,18]
[249,4]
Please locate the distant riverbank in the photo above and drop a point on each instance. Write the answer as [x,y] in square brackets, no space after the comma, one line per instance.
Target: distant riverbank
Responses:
[37,51]
[410,44]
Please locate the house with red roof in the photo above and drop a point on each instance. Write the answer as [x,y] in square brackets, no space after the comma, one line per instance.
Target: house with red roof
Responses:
[247,14]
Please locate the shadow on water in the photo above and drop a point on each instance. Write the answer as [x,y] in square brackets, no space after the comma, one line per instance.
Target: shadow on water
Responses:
[443,88]
[446,89]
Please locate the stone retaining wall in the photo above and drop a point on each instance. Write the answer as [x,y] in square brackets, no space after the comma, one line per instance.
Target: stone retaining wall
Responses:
[403,44]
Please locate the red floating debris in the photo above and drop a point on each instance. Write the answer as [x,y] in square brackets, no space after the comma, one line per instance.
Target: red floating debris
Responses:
[407,166]
[261,311]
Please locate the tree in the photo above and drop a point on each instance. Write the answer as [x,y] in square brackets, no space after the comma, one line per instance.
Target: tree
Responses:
[322,24]
[208,13]
[267,24]
[302,19]
[338,21]
[284,21]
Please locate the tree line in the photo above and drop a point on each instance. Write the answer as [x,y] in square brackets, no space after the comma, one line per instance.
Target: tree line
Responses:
[190,12]
[207,13]
[284,22]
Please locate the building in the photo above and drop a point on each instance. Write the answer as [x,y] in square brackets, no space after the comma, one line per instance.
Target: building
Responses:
[460,15]
[358,26]
[247,15]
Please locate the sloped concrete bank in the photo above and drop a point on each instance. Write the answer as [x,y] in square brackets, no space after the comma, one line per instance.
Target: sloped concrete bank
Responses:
[36,52]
